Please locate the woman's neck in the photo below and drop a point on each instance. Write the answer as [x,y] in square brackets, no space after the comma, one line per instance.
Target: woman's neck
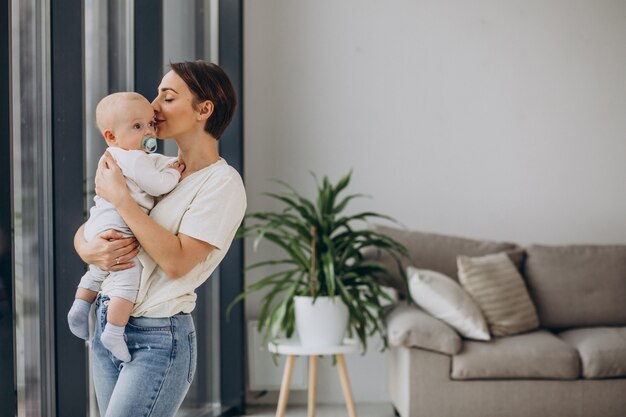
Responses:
[197,152]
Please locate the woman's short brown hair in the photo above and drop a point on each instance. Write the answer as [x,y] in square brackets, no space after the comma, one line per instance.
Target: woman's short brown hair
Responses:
[208,81]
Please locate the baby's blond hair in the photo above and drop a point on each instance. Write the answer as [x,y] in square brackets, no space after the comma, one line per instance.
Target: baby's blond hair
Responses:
[110,107]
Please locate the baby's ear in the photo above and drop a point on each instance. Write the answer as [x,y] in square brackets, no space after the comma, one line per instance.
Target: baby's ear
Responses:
[109,137]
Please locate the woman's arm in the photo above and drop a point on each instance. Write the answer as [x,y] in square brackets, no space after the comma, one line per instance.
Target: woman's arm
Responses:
[110,251]
[176,254]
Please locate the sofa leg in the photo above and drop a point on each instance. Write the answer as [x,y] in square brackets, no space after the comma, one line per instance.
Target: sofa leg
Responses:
[395,412]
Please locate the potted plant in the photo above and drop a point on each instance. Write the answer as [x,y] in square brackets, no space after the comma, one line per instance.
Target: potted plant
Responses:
[324,282]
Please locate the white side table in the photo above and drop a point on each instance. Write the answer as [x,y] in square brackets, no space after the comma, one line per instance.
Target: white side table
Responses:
[293,348]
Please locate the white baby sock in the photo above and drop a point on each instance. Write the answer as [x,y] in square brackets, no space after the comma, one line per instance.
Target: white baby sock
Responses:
[113,339]
[78,318]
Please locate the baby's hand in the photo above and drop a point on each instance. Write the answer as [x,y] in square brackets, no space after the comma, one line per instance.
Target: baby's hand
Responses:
[178,166]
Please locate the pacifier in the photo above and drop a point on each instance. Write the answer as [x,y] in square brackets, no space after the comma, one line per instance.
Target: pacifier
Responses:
[149,144]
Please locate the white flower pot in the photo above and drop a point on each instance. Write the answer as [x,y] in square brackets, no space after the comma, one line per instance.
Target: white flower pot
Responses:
[323,323]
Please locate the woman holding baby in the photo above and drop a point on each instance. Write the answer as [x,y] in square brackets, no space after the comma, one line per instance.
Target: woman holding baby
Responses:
[183,240]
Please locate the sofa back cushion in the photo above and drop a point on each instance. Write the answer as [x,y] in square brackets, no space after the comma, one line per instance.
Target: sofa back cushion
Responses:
[575,286]
[435,252]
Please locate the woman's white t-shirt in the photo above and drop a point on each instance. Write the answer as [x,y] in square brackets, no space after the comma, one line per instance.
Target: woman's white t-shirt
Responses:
[208,205]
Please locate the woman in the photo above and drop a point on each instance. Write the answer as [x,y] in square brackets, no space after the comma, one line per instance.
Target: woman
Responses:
[184,238]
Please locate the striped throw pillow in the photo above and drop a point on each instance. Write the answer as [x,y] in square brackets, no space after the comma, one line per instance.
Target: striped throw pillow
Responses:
[499,290]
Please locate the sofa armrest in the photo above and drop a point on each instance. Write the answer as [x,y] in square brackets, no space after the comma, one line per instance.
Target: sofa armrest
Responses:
[409,326]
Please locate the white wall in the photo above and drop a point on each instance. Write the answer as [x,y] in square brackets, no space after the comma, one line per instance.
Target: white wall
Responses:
[486,119]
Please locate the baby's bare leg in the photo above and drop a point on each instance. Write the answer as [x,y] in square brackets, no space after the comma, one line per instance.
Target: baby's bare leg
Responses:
[113,335]
[86,295]
[119,311]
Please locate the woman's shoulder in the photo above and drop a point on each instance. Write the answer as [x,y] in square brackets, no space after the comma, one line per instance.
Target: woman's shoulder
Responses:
[222,172]
[219,180]
[218,184]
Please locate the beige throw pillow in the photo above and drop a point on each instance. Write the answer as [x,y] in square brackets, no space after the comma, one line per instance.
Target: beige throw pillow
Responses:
[499,290]
[447,301]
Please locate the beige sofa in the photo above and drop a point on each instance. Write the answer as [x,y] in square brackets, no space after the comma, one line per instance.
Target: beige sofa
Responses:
[573,366]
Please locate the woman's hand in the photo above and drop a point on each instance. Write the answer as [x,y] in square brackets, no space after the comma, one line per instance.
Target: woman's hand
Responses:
[110,183]
[110,251]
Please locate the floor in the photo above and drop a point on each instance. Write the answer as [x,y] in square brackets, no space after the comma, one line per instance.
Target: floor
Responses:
[363,410]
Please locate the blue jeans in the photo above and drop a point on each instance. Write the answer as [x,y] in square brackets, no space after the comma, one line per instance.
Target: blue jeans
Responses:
[156,380]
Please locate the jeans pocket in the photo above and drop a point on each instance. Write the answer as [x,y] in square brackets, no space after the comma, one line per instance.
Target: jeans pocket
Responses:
[143,324]
[193,356]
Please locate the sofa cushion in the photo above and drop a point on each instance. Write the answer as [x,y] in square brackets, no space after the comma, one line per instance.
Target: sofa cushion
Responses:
[447,301]
[577,286]
[499,290]
[602,350]
[536,355]
[409,326]
[435,252]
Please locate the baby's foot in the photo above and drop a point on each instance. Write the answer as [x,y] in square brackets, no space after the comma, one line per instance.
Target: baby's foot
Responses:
[78,318]
[113,339]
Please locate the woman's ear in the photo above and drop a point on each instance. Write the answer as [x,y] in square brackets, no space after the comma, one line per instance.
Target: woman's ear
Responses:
[205,110]
[109,137]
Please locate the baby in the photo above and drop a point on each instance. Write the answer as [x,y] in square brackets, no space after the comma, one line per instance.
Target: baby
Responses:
[126,121]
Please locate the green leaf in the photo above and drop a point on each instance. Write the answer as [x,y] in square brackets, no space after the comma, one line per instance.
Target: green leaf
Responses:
[265,263]
[343,183]
[342,205]
[302,208]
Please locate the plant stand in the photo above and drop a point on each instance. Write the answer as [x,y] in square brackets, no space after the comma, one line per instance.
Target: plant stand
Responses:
[293,348]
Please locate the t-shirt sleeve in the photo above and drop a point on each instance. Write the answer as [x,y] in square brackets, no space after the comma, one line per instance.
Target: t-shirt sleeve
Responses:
[217,210]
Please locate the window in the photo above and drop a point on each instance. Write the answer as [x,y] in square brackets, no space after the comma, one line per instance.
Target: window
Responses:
[65,58]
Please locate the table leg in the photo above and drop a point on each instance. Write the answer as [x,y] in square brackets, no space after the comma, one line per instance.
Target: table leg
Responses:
[284,386]
[345,385]
[312,385]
